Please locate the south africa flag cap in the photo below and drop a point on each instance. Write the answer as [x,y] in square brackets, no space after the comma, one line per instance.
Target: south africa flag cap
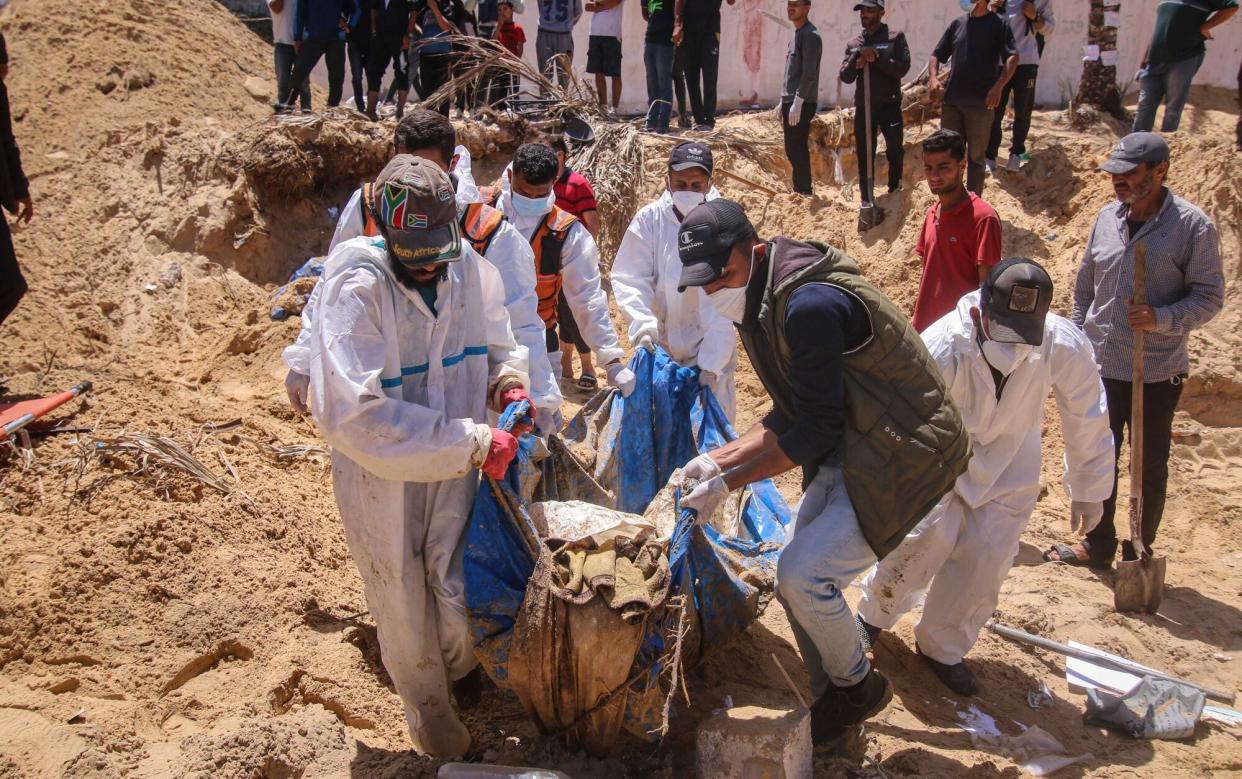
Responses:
[414,203]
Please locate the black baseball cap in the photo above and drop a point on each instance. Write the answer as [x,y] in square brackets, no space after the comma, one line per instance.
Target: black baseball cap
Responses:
[690,154]
[1015,298]
[413,201]
[706,238]
[869,4]
[1134,149]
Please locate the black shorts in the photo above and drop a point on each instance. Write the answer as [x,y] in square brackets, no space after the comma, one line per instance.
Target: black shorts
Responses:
[604,55]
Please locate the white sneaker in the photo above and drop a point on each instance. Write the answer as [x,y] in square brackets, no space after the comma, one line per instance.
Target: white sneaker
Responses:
[990,164]
[1015,162]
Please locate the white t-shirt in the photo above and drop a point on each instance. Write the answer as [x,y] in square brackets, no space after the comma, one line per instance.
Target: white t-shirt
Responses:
[607,23]
[282,23]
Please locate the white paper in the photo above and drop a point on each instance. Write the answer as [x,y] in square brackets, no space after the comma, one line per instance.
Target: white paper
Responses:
[1110,58]
[1112,19]
[1084,673]
[1090,52]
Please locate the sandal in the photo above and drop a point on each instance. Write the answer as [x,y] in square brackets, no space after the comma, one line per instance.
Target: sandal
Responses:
[1067,555]
[588,383]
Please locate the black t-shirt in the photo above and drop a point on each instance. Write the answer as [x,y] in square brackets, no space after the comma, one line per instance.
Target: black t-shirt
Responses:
[659,21]
[393,21]
[701,16]
[1134,225]
[976,48]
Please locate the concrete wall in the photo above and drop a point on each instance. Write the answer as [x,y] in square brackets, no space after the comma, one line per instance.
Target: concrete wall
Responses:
[761,25]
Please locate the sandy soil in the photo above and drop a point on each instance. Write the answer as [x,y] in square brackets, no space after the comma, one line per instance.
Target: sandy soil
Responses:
[153,626]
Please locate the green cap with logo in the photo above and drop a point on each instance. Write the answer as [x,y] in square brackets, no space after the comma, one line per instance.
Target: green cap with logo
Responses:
[413,203]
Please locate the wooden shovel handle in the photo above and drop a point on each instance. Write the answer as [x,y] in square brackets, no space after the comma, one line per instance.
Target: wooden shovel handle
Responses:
[1136,410]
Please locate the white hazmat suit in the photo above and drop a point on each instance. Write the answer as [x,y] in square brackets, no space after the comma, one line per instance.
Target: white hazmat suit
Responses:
[509,252]
[965,546]
[402,395]
[644,281]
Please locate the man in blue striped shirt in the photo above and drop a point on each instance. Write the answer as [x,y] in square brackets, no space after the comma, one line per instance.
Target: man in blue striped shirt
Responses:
[1185,289]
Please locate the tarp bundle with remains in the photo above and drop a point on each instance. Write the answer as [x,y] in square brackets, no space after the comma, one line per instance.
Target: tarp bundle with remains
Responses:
[588,591]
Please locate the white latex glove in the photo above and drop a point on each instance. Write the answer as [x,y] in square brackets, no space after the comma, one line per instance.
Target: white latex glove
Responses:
[645,338]
[795,111]
[701,468]
[622,378]
[298,387]
[646,343]
[1085,515]
[549,421]
[706,498]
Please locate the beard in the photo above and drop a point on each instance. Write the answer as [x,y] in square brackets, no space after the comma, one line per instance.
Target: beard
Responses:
[410,281]
[1141,189]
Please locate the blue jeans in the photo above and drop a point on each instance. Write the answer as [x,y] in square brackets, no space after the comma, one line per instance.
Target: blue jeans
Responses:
[658,59]
[1170,83]
[284,70]
[825,553]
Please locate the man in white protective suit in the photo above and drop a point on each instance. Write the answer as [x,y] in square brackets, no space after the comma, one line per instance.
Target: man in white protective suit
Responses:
[646,272]
[1000,352]
[430,135]
[410,348]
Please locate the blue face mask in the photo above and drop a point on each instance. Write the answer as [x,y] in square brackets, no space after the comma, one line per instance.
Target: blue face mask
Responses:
[967,5]
[530,207]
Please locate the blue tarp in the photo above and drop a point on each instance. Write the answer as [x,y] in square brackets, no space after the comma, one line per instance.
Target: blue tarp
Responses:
[663,424]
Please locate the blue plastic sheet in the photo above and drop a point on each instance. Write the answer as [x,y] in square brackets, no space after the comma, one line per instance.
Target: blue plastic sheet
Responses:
[662,425]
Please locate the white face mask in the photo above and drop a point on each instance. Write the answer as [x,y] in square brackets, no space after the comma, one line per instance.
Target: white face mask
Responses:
[731,301]
[531,207]
[686,201]
[1005,357]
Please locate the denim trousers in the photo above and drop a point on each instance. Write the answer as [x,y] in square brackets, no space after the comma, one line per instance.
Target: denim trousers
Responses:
[658,59]
[824,554]
[1167,82]
[285,58]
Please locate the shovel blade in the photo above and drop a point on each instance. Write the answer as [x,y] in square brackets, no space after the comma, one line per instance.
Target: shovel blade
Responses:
[1139,585]
[869,215]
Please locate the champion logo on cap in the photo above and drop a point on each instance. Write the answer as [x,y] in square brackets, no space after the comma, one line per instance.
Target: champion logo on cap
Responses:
[686,238]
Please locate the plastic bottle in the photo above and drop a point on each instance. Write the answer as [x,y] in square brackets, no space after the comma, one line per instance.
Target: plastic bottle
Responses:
[482,771]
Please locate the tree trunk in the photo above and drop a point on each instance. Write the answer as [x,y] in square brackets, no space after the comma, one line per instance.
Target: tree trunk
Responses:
[1098,86]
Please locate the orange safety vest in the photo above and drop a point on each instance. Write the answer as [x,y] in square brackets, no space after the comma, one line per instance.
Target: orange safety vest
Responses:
[548,242]
[478,224]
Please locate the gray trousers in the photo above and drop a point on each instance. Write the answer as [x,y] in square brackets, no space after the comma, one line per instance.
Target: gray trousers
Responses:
[974,122]
[548,45]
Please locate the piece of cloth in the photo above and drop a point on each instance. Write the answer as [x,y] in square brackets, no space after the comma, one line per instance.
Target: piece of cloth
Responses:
[822,324]
[559,16]
[1175,37]
[904,442]
[887,71]
[886,120]
[284,58]
[802,64]
[629,574]
[1169,82]
[645,275]
[1185,286]
[401,396]
[12,283]
[511,36]
[384,51]
[700,52]
[1155,709]
[1025,36]
[608,24]
[1159,404]
[550,45]
[977,47]
[332,50]
[1022,88]
[823,555]
[953,245]
[797,144]
[660,19]
[604,55]
[658,61]
[574,193]
[974,124]
[580,282]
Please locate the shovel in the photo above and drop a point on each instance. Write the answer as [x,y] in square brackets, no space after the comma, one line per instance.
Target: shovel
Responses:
[869,214]
[1140,583]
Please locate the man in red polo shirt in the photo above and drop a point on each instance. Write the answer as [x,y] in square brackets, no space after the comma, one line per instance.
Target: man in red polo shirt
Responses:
[961,236]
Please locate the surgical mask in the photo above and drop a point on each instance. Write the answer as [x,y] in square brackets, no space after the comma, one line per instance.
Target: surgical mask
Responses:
[967,5]
[731,301]
[686,201]
[532,207]
[1004,357]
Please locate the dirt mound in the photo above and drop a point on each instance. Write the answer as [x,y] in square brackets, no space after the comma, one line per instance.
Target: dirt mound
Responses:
[152,624]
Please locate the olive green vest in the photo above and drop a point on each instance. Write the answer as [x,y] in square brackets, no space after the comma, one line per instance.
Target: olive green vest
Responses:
[904,443]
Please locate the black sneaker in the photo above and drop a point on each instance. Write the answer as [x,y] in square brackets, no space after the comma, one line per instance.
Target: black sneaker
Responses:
[840,709]
[867,633]
[957,677]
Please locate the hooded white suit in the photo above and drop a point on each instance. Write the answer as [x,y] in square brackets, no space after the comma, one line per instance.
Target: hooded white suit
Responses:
[644,281]
[965,546]
[402,395]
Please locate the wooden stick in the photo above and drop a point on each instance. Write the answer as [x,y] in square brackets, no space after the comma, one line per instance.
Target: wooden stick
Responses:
[1136,411]
[789,681]
[746,181]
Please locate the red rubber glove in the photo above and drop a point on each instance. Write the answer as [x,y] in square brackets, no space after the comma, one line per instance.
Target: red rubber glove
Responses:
[504,449]
[514,395]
